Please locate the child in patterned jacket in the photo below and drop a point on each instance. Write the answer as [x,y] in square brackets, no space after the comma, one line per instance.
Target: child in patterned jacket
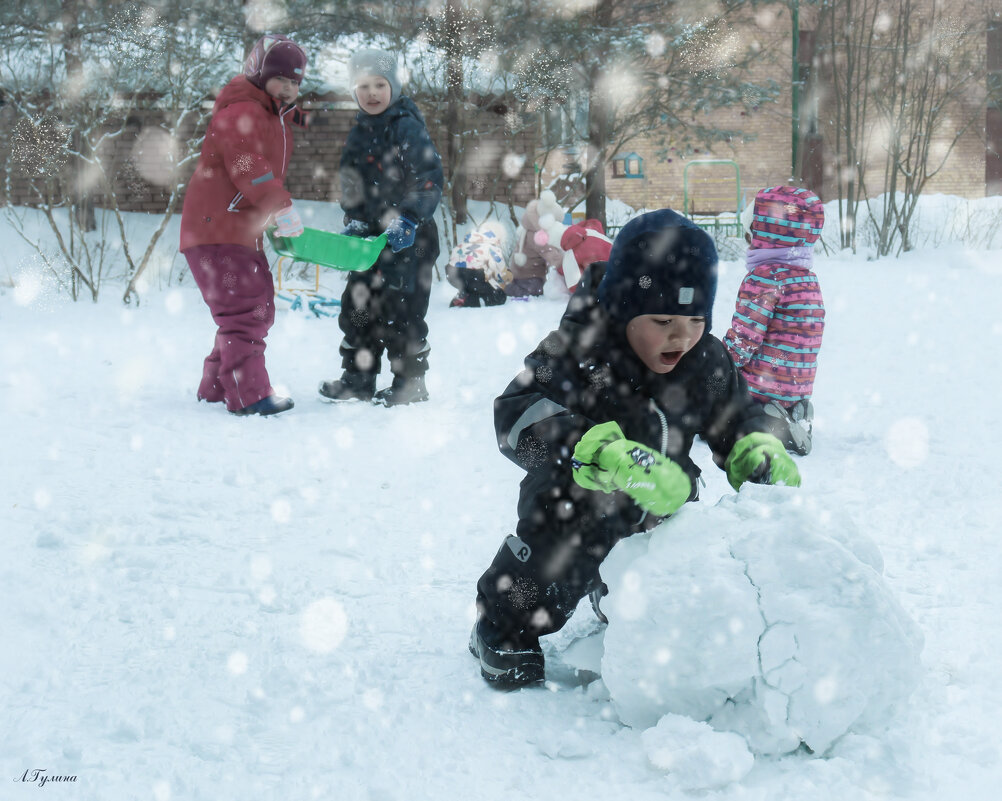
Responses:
[478,267]
[779,318]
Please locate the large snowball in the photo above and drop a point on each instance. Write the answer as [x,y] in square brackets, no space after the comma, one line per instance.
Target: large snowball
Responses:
[765,615]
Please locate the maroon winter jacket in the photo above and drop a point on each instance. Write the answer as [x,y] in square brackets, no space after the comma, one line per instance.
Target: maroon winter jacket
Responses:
[237,185]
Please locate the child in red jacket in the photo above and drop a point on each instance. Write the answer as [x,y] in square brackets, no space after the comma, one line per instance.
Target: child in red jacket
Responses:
[237,190]
[583,243]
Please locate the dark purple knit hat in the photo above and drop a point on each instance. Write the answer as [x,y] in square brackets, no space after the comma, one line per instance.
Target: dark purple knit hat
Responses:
[275,56]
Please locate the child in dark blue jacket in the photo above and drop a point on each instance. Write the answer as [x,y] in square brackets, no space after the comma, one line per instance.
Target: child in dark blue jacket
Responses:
[391,181]
[602,420]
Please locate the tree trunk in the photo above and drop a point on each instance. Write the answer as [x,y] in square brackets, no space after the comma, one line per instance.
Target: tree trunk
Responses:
[598,137]
[599,126]
[455,162]
[83,206]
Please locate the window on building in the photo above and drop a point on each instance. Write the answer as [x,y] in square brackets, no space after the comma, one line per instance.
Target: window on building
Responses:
[629,166]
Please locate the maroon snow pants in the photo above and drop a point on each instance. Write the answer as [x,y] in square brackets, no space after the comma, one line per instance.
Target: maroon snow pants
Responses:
[236,284]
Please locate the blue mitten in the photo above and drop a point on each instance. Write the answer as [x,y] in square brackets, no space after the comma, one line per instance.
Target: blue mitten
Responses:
[400,233]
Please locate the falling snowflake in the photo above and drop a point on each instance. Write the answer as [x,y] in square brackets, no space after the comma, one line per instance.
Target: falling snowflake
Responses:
[710,48]
[237,663]
[323,625]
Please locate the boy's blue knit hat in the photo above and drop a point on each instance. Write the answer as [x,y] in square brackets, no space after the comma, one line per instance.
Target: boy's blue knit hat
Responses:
[660,263]
[374,62]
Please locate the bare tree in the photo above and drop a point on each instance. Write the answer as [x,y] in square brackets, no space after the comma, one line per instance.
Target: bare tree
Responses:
[935,63]
[71,97]
[462,32]
[905,82]
[639,70]
[846,52]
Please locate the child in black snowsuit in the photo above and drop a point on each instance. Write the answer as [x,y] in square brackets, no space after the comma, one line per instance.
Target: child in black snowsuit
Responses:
[391,181]
[602,420]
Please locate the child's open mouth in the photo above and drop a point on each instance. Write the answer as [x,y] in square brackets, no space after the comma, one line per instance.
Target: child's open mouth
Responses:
[670,358]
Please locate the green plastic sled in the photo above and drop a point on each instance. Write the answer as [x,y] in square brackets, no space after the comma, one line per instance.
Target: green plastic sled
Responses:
[337,251]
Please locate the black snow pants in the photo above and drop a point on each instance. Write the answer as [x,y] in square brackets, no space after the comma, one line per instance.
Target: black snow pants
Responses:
[564,533]
[383,310]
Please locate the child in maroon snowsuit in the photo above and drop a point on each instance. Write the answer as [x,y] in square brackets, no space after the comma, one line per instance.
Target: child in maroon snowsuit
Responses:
[237,189]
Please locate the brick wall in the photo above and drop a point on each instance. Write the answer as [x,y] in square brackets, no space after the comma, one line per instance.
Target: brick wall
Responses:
[762,161]
[766,159]
[499,164]
[137,155]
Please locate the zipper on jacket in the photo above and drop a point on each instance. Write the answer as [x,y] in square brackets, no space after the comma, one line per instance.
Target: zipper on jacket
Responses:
[664,427]
[664,444]
[281,119]
[664,436]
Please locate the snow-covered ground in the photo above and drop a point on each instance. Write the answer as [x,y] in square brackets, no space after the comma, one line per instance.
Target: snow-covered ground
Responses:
[200,606]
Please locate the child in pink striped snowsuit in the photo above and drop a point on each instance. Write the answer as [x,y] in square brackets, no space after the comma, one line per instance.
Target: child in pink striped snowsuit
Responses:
[779,318]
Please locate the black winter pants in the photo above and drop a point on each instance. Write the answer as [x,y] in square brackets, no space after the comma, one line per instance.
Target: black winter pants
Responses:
[376,318]
[475,284]
[564,533]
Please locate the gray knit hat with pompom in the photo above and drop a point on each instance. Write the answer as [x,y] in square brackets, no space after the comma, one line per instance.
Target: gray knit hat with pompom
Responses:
[374,62]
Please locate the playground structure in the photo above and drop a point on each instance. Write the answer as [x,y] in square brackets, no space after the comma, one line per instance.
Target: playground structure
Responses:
[711,196]
[303,297]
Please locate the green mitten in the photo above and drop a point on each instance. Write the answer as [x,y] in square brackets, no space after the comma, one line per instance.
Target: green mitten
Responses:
[587,471]
[761,459]
[654,482]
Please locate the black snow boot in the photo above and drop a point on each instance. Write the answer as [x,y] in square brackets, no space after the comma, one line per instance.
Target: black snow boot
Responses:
[272,404]
[478,287]
[507,661]
[802,414]
[463,300]
[403,391]
[350,386]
